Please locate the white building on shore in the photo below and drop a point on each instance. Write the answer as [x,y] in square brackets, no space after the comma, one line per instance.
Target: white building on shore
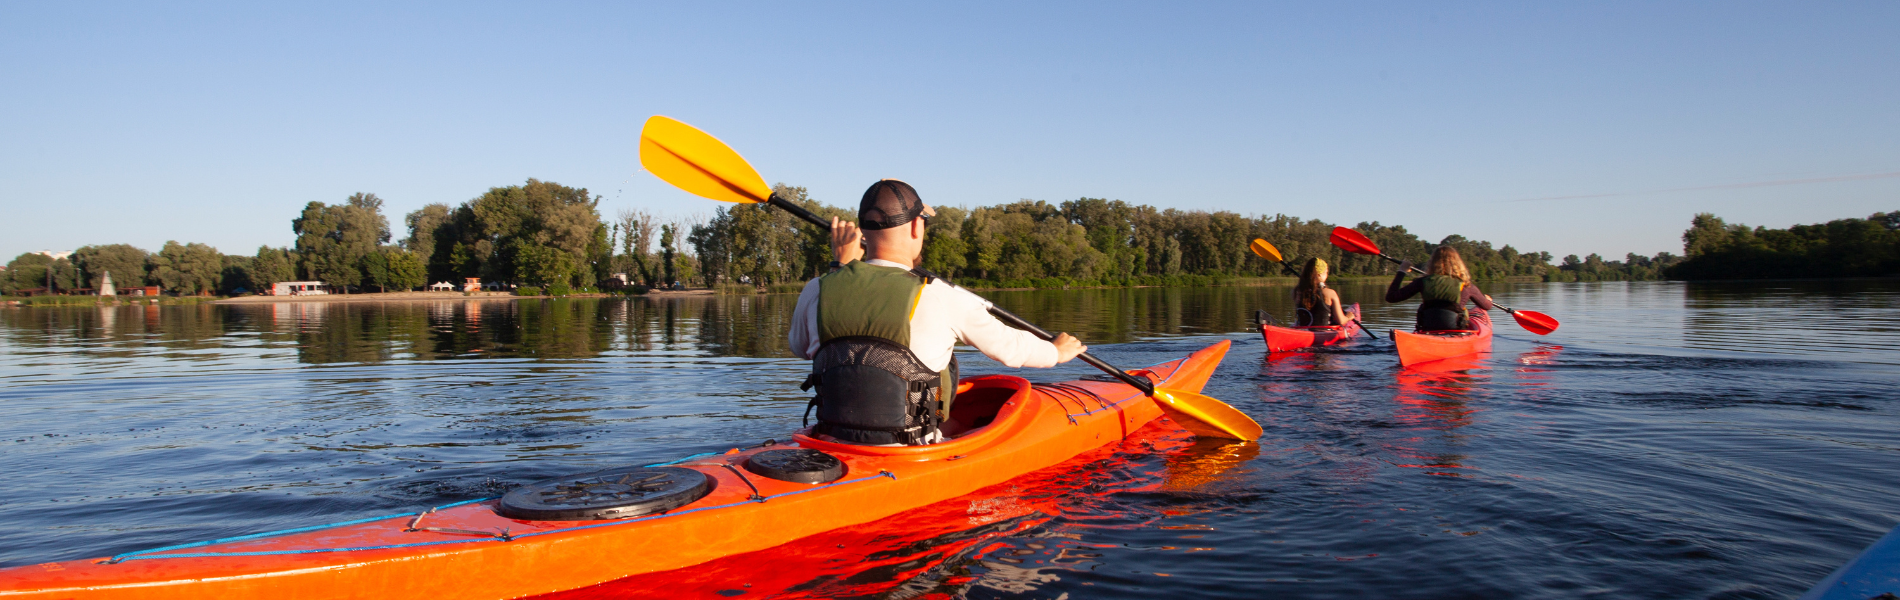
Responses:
[299,288]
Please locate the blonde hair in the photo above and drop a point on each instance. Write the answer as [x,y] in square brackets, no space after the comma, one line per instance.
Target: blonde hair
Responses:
[1307,292]
[1445,261]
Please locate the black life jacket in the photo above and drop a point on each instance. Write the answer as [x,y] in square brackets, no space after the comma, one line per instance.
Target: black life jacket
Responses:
[871,389]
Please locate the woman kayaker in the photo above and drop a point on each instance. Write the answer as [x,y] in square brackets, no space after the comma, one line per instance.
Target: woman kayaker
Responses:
[1316,305]
[1446,287]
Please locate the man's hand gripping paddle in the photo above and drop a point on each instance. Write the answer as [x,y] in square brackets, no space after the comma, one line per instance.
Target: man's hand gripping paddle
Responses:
[1265,250]
[702,165]
[1357,243]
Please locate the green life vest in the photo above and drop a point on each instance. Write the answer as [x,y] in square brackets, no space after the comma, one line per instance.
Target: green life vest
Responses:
[1443,293]
[871,388]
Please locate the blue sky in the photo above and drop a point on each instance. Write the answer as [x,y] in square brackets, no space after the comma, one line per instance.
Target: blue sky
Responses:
[1566,127]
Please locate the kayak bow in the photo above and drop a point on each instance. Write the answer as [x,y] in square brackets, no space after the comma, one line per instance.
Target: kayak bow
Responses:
[1001,427]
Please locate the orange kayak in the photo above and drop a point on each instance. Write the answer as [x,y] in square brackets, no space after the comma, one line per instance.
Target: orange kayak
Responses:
[1282,339]
[1001,427]
[1416,348]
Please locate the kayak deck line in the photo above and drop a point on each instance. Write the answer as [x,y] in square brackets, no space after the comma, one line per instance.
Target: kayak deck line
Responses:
[1077,393]
[1004,427]
[503,536]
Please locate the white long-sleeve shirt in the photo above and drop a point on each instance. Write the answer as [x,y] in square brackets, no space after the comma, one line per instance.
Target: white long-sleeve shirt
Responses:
[945,315]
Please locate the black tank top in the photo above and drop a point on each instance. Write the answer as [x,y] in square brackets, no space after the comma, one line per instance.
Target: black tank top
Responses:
[1320,315]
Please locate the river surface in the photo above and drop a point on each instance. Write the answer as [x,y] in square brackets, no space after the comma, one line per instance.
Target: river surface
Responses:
[1672,440]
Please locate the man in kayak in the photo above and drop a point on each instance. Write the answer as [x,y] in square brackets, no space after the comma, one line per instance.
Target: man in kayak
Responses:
[1446,288]
[881,333]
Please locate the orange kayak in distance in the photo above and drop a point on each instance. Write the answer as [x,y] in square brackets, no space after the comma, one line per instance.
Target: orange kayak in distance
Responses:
[718,505]
[1417,348]
[1283,339]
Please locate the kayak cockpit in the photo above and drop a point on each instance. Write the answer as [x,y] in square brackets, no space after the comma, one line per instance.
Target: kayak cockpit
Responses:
[984,408]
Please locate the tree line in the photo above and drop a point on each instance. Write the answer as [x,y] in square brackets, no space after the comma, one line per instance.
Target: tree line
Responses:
[545,234]
[1717,249]
[1094,241]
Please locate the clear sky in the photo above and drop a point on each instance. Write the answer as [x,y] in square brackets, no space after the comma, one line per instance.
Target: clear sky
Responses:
[1566,127]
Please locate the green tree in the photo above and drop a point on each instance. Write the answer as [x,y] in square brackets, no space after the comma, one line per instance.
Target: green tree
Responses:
[333,239]
[376,270]
[188,268]
[485,237]
[394,267]
[666,254]
[235,276]
[423,224]
[712,242]
[637,228]
[126,263]
[542,266]
[22,271]
[272,265]
[945,253]
[407,271]
[1110,227]
[1840,248]
[1707,233]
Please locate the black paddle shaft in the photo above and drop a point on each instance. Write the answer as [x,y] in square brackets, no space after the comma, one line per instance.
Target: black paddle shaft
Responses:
[1147,388]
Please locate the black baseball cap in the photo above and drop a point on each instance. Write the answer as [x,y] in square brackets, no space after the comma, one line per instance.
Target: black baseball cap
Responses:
[889,203]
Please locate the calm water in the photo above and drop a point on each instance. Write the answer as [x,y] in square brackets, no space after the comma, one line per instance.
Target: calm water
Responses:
[1671,441]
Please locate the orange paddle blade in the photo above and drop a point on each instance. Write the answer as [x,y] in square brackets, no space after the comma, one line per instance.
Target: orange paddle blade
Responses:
[1205,416]
[1353,241]
[1265,250]
[1536,322]
[699,163]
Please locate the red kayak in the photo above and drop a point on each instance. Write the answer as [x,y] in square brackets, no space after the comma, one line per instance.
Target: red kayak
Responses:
[638,520]
[1282,339]
[1416,348]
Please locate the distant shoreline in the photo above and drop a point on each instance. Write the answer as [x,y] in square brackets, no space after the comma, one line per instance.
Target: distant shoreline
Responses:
[432,297]
[371,297]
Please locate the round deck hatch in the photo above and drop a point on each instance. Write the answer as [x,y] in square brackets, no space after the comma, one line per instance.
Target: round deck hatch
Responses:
[610,494]
[797,465]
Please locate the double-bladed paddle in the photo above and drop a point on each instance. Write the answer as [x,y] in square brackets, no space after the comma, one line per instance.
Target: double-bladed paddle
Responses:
[700,164]
[1357,243]
[1265,250]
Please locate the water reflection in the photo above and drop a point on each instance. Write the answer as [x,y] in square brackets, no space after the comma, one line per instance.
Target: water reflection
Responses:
[1634,452]
[737,326]
[1438,397]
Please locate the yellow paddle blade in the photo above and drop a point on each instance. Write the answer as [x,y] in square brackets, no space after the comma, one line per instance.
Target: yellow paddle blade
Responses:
[698,163]
[1205,416]
[1266,250]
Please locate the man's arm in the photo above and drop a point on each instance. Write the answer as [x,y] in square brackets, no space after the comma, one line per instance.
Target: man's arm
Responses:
[803,337]
[1013,347]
